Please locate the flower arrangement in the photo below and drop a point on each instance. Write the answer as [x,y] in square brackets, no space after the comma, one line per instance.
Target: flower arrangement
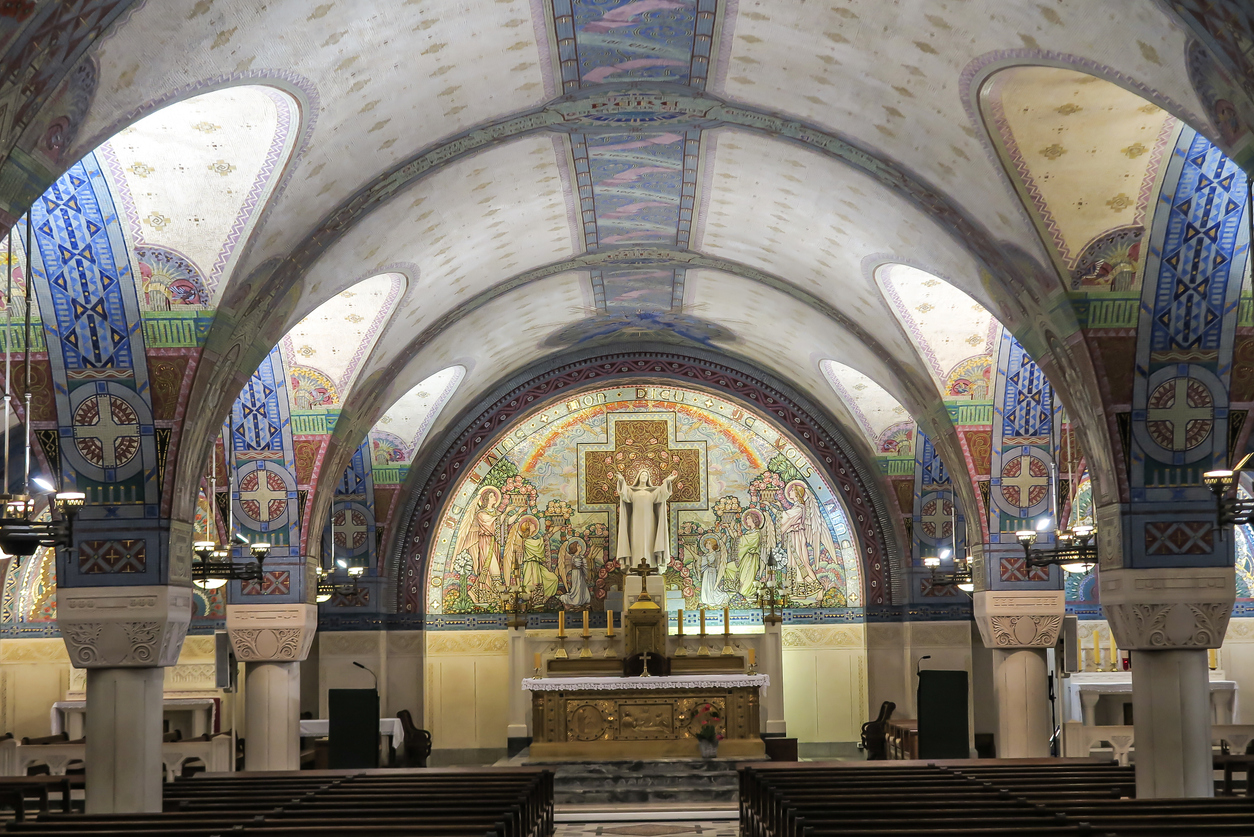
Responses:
[709,725]
[727,505]
[518,486]
[558,508]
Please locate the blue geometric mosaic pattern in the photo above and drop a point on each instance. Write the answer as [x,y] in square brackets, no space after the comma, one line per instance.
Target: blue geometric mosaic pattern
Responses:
[1198,250]
[353,511]
[932,470]
[602,41]
[356,477]
[1027,404]
[79,242]
[259,417]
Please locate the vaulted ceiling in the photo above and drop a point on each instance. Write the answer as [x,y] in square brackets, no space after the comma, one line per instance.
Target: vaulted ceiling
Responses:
[850,195]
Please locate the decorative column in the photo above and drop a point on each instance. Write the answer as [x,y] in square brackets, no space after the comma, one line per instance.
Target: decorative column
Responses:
[1019,625]
[123,636]
[271,641]
[1168,618]
[772,665]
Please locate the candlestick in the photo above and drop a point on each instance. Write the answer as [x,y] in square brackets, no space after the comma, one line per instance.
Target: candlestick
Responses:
[560,653]
[702,649]
[1097,650]
[537,659]
[727,648]
[585,625]
[679,623]
[1114,653]
[609,623]
[561,623]
[753,656]
[702,613]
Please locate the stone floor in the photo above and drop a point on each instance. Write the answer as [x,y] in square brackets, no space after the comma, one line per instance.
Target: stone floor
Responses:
[672,828]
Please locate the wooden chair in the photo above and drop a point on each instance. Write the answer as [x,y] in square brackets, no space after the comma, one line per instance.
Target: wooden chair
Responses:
[873,733]
[416,746]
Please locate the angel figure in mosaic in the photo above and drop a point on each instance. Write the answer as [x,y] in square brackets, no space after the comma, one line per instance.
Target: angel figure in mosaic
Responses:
[757,537]
[476,537]
[577,593]
[531,552]
[804,531]
[713,565]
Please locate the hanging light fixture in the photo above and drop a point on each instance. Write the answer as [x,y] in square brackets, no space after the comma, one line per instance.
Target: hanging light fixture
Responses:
[21,532]
[960,576]
[215,566]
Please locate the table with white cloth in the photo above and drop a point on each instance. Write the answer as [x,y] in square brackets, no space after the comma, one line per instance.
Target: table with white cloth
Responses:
[390,733]
[1084,691]
[644,717]
[192,716]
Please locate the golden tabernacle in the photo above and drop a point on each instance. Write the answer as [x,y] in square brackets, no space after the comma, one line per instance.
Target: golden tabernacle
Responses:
[643,717]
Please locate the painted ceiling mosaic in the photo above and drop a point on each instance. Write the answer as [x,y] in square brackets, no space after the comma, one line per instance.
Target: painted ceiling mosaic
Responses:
[854,197]
[539,508]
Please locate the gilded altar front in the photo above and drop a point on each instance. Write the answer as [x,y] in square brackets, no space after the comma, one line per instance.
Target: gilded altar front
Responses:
[643,722]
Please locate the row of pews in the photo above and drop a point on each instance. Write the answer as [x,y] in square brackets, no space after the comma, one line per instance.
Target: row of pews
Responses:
[977,798]
[450,802]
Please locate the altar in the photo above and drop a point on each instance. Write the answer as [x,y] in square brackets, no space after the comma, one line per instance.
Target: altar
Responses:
[643,717]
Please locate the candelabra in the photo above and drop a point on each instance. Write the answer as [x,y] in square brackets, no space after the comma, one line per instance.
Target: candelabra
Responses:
[21,533]
[214,565]
[960,576]
[1076,549]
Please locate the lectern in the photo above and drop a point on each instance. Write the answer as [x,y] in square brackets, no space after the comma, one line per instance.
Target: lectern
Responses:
[943,715]
[353,728]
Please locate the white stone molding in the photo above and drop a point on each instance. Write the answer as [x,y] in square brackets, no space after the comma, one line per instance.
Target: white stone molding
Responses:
[271,633]
[1161,609]
[123,627]
[1019,618]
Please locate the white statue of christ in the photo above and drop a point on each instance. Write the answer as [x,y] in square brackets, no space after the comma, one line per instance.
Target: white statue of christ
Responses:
[643,531]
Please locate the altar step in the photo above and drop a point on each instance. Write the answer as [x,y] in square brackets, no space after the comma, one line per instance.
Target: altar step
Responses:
[699,781]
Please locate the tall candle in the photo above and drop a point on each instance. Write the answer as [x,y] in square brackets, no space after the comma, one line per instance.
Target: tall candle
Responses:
[561,623]
[1213,657]
[585,624]
[1114,653]
[1097,651]
[679,621]
[753,656]
[726,622]
[609,623]
[702,621]
[537,665]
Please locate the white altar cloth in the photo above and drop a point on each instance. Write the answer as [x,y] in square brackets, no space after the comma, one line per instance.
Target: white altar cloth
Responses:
[687,681]
[388,727]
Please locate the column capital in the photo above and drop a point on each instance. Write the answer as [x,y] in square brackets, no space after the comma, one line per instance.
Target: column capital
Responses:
[1164,608]
[124,627]
[279,633]
[1019,618]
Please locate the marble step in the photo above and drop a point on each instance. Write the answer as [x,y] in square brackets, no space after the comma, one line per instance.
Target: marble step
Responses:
[643,796]
[672,781]
[653,767]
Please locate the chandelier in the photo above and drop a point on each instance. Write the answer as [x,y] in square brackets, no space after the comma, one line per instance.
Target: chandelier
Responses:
[214,565]
[960,576]
[1230,509]
[1076,550]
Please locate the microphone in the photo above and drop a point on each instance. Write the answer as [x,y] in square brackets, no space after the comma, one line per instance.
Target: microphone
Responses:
[371,673]
[917,666]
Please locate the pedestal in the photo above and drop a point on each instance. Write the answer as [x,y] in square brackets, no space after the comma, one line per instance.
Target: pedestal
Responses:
[1018,625]
[272,716]
[772,665]
[1021,688]
[123,636]
[271,641]
[123,747]
[1171,715]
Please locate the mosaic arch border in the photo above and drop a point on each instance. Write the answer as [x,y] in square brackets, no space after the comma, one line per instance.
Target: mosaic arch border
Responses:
[478,428]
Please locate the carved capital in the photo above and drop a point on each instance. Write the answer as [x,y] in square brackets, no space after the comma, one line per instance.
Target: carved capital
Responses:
[1019,618]
[123,627]
[1161,609]
[271,633]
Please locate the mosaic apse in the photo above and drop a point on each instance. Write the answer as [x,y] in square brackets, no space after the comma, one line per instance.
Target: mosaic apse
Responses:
[540,508]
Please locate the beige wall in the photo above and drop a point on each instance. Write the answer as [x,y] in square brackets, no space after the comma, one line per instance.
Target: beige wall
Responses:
[394,656]
[825,682]
[467,683]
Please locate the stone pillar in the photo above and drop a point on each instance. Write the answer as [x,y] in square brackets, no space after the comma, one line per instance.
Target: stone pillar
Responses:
[772,665]
[1019,625]
[1168,618]
[271,641]
[520,666]
[124,636]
